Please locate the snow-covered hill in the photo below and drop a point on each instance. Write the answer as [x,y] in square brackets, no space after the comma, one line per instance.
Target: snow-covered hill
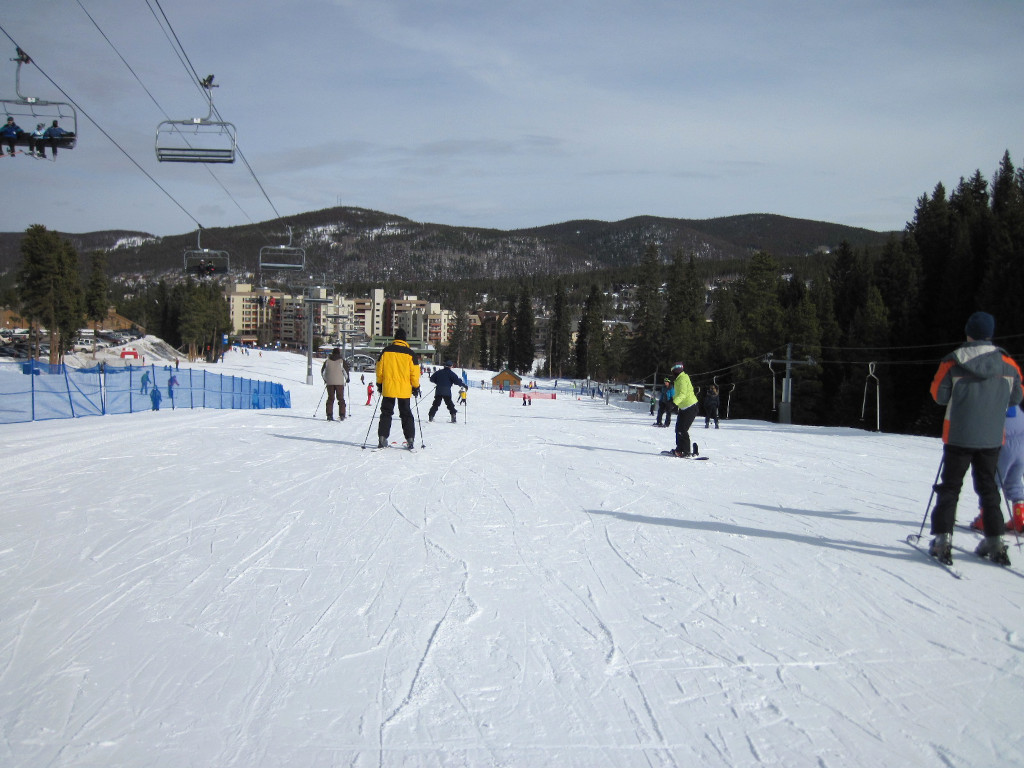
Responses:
[534,587]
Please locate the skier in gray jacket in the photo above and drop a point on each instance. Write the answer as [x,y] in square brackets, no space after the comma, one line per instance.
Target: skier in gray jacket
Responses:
[335,376]
[977,382]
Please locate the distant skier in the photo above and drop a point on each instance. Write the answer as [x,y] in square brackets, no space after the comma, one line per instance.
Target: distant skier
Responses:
[171,384]
[711,403]
[144,383]
[155,397]
[444,379]
[977,383]
[665,403]
[335,378]
[685,402]
[398,380]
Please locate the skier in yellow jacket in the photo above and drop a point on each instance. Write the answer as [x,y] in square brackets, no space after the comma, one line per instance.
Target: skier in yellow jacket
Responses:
[398,379]
[685,401]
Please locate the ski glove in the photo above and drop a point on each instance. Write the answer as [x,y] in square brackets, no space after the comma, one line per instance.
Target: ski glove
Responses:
[416,392]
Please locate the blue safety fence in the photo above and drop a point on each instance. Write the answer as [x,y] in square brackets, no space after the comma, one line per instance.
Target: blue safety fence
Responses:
[35,391]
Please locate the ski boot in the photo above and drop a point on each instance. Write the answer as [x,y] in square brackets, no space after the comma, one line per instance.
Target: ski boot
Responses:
[382,441]
[696,452]
[453,418]
[994,548]
[977,525]
[1016,522]
[941,548]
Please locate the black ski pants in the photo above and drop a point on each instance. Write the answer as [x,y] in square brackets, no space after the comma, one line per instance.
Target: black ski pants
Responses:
[387,410]
[438,397]
[664,409]
[955,461]
[684,420]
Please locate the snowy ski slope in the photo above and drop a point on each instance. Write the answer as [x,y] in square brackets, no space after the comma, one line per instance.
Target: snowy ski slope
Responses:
[536,587]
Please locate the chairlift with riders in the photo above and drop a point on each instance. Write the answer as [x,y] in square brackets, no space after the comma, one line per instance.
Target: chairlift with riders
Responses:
[204,262]
[198,139]
[34,111]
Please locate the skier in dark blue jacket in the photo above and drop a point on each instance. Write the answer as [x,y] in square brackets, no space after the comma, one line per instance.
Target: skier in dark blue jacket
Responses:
[444,379]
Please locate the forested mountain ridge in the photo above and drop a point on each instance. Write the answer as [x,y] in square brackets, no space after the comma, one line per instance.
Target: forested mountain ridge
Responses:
[357,245]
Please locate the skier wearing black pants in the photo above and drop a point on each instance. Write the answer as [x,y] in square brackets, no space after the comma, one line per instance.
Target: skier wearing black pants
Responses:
[398,376]
[685,401]
[443,381]
[977,383]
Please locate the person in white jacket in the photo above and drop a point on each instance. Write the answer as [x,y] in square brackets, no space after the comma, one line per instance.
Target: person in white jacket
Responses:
[335,377]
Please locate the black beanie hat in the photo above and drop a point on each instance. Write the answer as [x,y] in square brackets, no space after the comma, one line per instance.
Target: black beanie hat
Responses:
[980,325]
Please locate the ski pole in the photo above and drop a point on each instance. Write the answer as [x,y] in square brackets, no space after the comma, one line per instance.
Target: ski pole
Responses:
[1009,506]
[419,423]
[374,416]
[932,496]
[318,404]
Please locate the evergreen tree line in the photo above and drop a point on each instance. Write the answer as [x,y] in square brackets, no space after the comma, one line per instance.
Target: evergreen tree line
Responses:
[862,324]
[864,327]
[51,293]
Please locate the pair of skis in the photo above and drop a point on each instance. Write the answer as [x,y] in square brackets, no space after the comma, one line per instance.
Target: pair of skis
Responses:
[914,540]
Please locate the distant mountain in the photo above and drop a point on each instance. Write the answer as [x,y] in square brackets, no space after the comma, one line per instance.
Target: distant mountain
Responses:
[354,244]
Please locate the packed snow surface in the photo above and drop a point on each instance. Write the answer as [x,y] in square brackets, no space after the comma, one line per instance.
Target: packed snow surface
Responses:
[536,586]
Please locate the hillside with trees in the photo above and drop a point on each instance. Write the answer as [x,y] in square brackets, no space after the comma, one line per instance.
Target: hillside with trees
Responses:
[353,245]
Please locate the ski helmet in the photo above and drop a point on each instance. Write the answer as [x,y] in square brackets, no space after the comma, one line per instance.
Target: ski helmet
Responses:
[677,368]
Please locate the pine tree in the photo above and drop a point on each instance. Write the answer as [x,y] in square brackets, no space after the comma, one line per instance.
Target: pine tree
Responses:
[96,304]
[686,334]
[759,306]
[1002,287]
[590,339]
[523,340]
[559,336]
[648,316]
[49,287]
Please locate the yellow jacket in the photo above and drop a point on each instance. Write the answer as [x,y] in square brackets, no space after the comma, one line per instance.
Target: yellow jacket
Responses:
[684,396]
[398,370]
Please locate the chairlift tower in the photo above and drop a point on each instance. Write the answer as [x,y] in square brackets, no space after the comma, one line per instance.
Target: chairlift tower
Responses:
[786,403]
[311,299]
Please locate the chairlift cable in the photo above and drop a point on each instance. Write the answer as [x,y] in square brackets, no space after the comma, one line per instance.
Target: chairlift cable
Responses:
[109,138]
[186,61]
[157,104]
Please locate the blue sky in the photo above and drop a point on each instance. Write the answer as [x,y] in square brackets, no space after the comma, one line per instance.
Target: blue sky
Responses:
[521,114]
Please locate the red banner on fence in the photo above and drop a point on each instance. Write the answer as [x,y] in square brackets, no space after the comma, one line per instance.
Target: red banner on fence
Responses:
[531,395]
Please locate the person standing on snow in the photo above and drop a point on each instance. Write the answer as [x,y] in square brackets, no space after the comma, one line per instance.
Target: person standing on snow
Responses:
[398,380]
[444,379]
[665,403]
[685,402]
[335,378]
[977,383]
[1011,470]
[711,403]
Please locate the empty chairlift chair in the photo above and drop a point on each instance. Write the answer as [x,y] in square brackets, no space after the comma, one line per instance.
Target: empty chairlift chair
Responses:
[277,258]
[197,139]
